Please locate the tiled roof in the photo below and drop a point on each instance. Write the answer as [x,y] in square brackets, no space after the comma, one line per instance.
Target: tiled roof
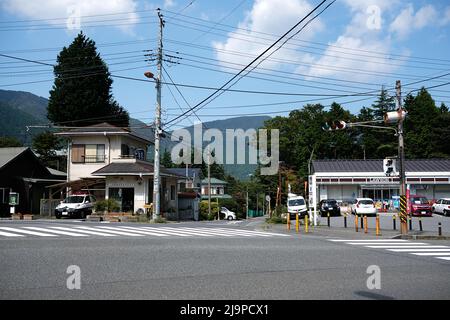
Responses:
[376,165]
[214,181]
[8,154]
[133,168]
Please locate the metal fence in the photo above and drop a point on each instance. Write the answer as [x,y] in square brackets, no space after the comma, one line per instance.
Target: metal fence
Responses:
[47,207]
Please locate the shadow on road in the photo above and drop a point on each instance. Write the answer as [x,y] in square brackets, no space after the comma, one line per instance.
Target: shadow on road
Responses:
[373,296]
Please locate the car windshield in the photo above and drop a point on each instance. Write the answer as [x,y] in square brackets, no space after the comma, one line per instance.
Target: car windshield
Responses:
[296,202]
[365,202]
[330,202]
[421,200]
[74,199]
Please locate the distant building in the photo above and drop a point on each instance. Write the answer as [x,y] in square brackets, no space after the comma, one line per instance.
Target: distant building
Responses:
[349,179]
[21,171]
[218,189]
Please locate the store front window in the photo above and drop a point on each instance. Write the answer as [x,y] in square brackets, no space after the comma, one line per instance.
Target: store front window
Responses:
[124,196]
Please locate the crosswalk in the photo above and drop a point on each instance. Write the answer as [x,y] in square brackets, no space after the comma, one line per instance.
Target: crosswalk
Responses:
[441,252]
[77,231]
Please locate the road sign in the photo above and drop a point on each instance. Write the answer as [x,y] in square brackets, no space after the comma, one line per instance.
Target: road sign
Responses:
[13,198]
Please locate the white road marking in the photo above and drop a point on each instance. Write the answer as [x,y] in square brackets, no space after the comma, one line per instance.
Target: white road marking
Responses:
[263,234]
[419,250]
[176,230]
[444,258]
[407,246]
[57,232]
[111,231]
[431,253]
[34,233]
[86,232]
[7,234]
[386,243]
[373,240]
[136,230]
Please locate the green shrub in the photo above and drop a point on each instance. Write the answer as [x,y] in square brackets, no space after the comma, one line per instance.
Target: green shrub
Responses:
[109,205]
[204,210]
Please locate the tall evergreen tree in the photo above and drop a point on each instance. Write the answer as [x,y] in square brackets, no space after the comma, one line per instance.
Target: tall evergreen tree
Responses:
[81,94]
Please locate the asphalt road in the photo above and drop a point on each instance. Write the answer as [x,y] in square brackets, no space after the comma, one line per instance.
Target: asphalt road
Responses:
[232,262]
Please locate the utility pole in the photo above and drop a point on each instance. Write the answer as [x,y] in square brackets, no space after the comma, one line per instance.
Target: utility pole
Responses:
[156,173]
[246,215]
[401,157]
[209,182]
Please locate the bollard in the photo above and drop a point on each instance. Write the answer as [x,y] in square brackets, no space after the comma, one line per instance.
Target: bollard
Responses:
[345,220]
[296,223]
[362,222]
[439,229]
[377,225]
[306,223]
[420,224]
[394,223]
[410,223]
[365,224]
[328,219]
[288,221]
[356,223]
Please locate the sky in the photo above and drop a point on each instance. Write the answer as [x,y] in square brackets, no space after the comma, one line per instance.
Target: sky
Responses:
[346,54]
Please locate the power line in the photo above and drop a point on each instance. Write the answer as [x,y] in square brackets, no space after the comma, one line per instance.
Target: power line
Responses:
[253,61]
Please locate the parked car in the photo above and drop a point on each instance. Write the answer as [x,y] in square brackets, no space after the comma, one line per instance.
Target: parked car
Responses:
[79,205]
[364,206]
[228,214]
[442,206]
[419,206]
[330,206]
[296,205]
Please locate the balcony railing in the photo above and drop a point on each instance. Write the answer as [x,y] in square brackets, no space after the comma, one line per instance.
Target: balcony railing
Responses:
[94,159]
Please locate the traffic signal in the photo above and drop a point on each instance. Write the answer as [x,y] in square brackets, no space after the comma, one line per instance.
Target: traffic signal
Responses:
[334,125]
[389,167]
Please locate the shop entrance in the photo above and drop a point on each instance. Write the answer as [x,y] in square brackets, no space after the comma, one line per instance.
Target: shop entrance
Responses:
[124,196]
[379,194]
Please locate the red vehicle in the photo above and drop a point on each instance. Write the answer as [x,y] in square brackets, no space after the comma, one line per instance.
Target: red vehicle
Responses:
[419,206]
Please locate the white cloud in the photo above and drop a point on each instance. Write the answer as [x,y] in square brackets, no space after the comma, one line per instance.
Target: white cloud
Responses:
[446,18]
[45,9]
[169,4]
[271,17]
[408,21]
[363,46]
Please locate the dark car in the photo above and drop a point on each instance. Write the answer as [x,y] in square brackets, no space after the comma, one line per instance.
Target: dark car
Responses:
[329,206]
[419,206]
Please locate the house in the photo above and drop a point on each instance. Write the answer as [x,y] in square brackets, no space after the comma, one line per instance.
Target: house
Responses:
[21,171]
[189,192]
[111,162]
[218,188]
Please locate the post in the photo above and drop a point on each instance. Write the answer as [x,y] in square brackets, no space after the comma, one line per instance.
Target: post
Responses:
[328,219]
[401,157]
[296,222]
[247,203]
[345,220]
[362,221]
[377,225]
[257,212]
[288,221]
[356,222]
[209,182]
[156,173]
[439,229]
[365,225]
[420,224]
[410,222]
[306,224]
[394,223]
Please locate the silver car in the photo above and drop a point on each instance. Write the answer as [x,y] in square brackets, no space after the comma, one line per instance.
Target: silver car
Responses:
[442,206]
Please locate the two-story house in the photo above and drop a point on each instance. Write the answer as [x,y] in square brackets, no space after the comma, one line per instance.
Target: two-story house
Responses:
[115,160]
[217,189]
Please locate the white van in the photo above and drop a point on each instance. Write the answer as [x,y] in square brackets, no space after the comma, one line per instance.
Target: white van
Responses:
[296,205]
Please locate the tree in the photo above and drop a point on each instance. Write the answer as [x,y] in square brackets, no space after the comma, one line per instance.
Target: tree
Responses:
[81,94]
[166,159]
[45,145]
[9,142]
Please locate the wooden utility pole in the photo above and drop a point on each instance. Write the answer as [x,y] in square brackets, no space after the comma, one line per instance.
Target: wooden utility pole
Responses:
[401,157]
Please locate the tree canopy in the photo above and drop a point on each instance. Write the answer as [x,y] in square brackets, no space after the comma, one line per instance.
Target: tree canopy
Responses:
[81,93]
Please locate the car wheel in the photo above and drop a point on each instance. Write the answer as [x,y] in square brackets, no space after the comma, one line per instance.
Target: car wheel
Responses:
[83,214]
[446,213]
[230,218]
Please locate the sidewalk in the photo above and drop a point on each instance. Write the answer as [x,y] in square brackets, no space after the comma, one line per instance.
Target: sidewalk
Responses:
[349,232]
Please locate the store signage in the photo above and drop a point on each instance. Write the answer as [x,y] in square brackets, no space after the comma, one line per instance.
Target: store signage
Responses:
[379,180]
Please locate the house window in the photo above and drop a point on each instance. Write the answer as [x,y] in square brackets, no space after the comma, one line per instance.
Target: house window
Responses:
[124,150]
[88,153]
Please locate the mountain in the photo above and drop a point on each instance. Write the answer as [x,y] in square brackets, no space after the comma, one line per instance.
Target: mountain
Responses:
[20,109]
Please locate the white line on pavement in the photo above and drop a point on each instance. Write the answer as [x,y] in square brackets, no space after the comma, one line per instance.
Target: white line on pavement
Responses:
[86,232]
[406,246]
[136,230]
[419,250]
[110,231]
[57,232]
[444,258]
[373,240]
[386,243]
[431,253]
[34,233]
[7,234]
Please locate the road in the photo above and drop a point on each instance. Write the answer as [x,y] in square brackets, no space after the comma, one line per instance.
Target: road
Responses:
[214,260]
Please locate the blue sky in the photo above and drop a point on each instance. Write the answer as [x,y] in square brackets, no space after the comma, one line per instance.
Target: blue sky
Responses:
[354,46]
